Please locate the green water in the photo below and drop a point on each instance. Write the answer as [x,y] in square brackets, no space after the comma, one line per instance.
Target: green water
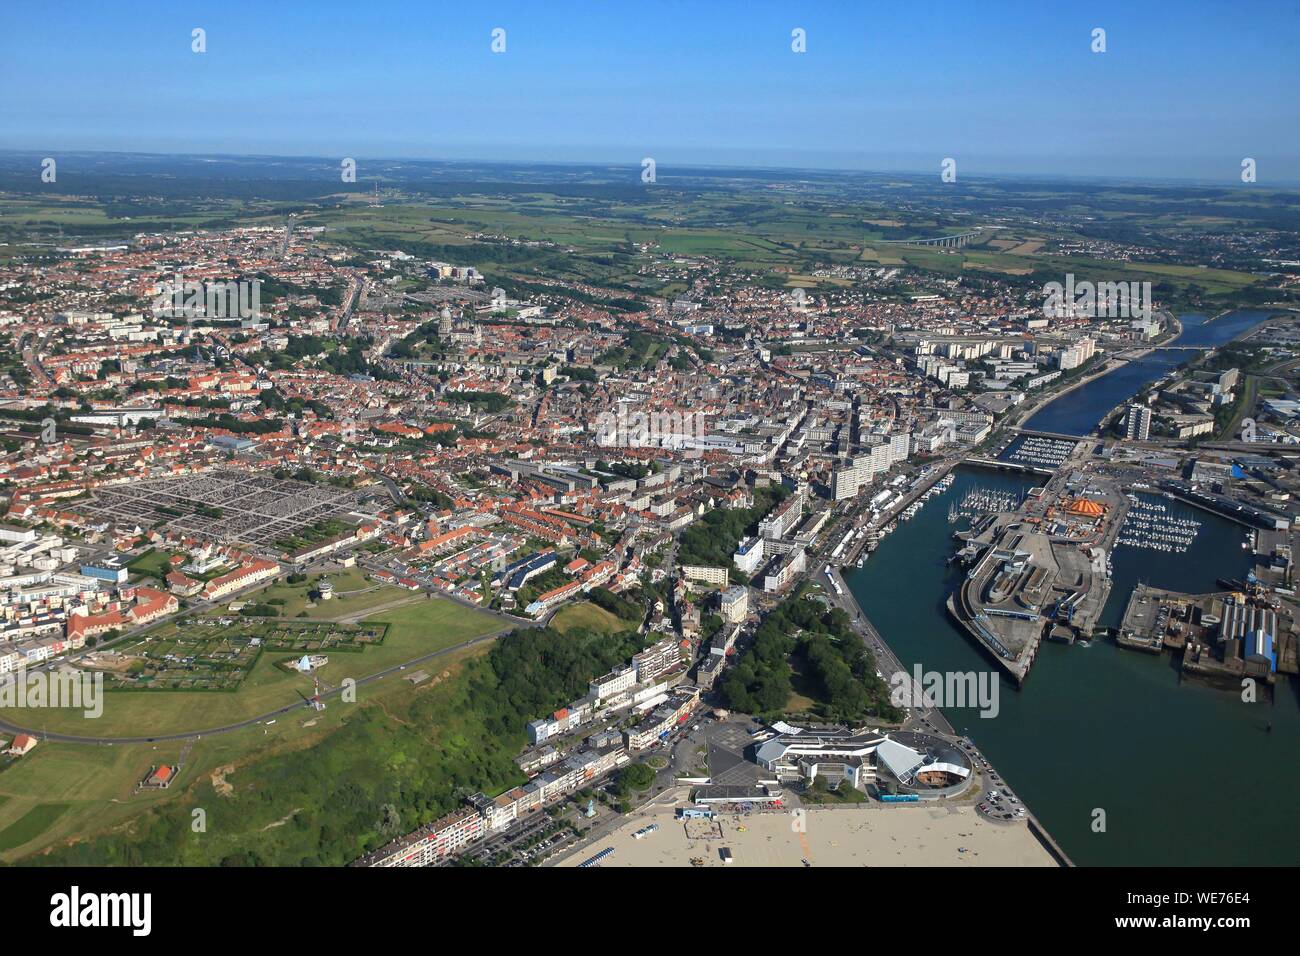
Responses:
[1186,774]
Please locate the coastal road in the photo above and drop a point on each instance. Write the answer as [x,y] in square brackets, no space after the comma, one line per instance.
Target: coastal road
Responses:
[929,718]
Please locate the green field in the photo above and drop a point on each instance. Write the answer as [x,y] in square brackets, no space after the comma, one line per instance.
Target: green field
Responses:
[61,790]
[751,233]
[152,564]
[313,788]
[95,786]
[30,825]
[353,595]
[217,653]
[587,615]
[781,237]
[415,629]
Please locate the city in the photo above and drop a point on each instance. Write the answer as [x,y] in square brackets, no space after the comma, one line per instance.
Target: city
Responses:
[379,511]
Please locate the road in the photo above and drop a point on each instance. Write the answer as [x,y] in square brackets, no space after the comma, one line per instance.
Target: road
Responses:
[921,718]
[31,353]
[354,297]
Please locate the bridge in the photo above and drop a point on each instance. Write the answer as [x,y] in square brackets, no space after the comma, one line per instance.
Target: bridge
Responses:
[1163,348]
[958,240]
[994,463]
[1033,432]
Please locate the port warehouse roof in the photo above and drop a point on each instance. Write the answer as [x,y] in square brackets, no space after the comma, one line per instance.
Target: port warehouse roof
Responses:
[1255,626]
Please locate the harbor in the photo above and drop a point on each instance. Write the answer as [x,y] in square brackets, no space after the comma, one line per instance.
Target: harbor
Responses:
[887,510]
[1222,637]
[1066,737]
[1036,565]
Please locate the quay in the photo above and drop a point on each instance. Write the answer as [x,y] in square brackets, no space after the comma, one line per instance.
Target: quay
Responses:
[936,475]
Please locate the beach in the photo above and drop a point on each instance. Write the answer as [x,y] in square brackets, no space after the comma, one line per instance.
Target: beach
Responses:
[863,835]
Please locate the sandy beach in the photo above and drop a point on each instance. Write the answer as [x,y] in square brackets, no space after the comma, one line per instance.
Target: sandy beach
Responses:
[874,835]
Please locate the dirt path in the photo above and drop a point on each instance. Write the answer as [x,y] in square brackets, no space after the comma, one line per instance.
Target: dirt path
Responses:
[378,608]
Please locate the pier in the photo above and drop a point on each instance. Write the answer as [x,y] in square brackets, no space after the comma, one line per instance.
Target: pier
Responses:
[1225,507]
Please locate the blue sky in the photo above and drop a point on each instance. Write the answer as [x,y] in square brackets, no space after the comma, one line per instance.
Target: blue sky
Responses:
[1185,89]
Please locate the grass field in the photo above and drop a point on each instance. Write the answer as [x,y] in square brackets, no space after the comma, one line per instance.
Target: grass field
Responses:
[211,653]
[30,825]
[63,791]
[151,564]
[415,629]
[587,615]
[353,594]
[60,791]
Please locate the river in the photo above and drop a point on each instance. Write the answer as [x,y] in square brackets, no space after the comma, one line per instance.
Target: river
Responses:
[1077,412]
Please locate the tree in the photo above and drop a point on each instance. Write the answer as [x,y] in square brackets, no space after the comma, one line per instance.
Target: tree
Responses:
[635,777]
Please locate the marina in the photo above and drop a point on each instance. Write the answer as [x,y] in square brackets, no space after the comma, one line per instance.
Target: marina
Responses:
[934,490]
[983,500]
[1151,525]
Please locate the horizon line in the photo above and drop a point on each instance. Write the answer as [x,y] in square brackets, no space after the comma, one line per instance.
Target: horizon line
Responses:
[1136,178]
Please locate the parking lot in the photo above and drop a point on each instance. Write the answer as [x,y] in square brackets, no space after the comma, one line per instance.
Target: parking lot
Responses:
[1000,804]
